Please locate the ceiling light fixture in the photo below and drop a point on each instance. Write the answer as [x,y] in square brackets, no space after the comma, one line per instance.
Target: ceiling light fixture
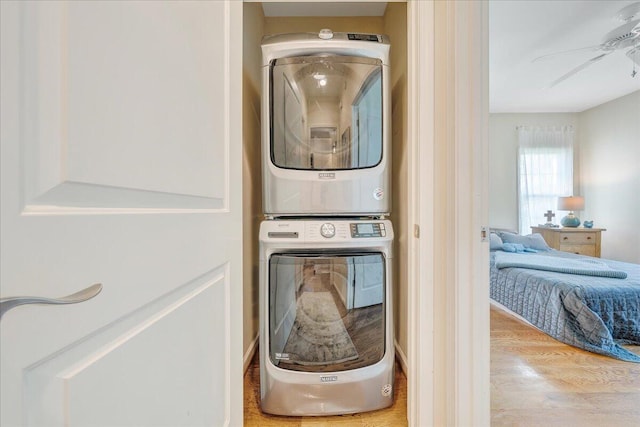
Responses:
[321,78]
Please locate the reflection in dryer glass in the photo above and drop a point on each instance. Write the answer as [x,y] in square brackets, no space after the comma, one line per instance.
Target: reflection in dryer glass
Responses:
[326,313]
[326,112]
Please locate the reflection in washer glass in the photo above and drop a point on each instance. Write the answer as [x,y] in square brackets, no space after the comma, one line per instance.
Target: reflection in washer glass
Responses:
[326,112]
[326,313]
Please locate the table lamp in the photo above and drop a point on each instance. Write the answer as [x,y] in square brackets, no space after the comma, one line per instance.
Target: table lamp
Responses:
[571,204]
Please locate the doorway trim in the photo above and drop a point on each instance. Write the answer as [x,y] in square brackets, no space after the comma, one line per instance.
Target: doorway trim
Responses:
[448,321]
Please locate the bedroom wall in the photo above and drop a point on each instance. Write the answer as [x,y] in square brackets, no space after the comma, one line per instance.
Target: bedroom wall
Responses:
[503,151]
[606,170]
[610,154]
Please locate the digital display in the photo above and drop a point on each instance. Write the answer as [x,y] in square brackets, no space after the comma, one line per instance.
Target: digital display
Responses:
[365,228]
[363,37]
[368,229]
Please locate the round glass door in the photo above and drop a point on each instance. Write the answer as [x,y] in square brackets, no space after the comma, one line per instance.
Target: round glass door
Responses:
[326,112]
[326,313]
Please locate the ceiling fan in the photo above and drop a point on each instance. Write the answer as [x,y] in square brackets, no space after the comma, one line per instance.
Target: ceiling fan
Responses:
[626,36]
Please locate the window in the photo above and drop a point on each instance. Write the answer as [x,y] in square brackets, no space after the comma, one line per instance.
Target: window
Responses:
[545,171]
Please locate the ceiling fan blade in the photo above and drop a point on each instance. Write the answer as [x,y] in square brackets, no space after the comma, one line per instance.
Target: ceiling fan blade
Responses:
[579,68]
[564,52]
[629,12]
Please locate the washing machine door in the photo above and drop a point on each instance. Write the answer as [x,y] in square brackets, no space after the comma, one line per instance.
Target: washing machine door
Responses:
[326,312]
[326,113]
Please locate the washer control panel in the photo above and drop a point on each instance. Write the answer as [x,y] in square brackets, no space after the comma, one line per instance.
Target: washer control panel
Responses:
[327,232]
[368,229]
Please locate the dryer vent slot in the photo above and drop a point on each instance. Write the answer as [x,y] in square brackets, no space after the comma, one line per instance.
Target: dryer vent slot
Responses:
[283,234]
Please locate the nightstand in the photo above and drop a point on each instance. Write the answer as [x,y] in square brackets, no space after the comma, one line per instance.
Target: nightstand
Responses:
[583,241]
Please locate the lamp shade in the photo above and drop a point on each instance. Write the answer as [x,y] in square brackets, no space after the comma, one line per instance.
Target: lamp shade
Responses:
[572,203]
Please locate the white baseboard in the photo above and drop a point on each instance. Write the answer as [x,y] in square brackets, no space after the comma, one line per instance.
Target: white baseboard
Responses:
[501,307]
[248,355]
[402,358]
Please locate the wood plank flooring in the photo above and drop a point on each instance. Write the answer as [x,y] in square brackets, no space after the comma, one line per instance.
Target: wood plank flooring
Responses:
[535,381]
[538,381]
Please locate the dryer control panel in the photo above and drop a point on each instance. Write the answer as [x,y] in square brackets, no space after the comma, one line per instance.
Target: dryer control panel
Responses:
[368,229]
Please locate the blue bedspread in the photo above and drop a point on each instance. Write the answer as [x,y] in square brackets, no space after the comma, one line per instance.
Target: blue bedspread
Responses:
[593,313]
[585,266]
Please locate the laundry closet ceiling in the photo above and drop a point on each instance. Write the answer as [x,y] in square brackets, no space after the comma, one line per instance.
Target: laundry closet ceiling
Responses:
[324,9]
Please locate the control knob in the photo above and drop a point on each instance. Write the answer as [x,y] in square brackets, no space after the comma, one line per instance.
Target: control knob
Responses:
[328,230]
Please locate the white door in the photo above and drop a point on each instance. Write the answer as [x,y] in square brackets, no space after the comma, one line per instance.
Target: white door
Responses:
[121,155]
[296,152]
[368,282]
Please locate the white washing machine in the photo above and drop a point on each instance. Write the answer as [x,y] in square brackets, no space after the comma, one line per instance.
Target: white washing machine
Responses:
[326,133]
[326,325]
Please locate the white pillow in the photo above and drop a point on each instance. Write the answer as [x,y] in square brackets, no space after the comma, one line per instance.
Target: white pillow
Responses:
[495,242]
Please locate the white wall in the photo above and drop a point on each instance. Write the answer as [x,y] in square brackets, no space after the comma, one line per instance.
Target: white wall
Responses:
[503,152]
[607,174]
[610,165]
[395,26]
[251,170]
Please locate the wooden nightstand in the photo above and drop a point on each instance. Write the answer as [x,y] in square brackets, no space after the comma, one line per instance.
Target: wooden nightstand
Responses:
[583,241]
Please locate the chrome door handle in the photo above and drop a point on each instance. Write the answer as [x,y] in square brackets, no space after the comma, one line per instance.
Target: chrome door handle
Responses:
[7,304]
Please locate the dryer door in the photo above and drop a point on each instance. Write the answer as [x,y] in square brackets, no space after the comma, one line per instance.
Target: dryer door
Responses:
[326,312]
[326,112]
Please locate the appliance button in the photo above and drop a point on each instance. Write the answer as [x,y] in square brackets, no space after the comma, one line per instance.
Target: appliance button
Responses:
[325,34]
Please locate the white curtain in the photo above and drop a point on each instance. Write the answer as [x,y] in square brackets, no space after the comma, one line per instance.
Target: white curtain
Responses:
[545,172]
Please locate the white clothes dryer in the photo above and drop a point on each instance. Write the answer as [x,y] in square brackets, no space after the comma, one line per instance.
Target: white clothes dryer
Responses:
[326,324]
[326,129]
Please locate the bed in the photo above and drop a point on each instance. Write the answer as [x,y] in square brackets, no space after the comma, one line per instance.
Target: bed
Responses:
[596,310]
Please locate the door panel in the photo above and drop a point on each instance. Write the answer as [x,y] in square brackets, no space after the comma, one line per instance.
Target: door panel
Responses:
[92,72]
[368,120]
[132,351]
[368,288]
[120,139]
[296,153]
[282,303]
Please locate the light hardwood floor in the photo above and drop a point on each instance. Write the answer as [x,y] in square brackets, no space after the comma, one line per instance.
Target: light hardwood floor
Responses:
[538,381]
[535,381]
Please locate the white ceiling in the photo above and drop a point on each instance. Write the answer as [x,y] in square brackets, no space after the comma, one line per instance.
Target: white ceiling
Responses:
[520,31]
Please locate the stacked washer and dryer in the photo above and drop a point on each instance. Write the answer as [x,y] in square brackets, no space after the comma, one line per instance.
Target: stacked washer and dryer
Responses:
[326,324]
